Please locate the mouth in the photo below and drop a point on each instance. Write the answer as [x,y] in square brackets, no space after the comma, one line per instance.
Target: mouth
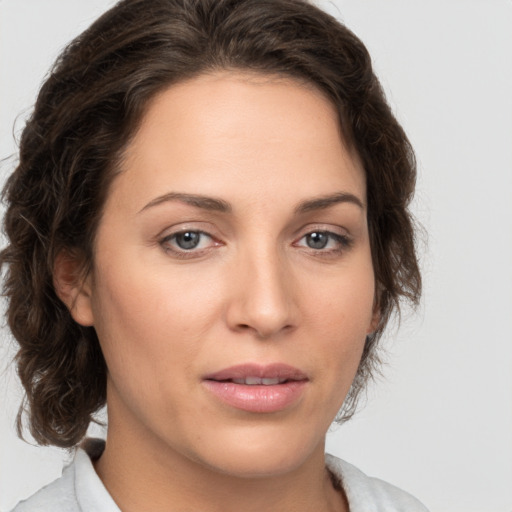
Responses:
[257,389]
[258,381]
[254,374]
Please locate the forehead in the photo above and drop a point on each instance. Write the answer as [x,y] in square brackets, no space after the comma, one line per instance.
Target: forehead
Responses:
[222,133]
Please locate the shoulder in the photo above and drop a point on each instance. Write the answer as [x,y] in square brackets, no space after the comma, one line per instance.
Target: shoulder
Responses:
[78,489]
[367,494]
[59,496]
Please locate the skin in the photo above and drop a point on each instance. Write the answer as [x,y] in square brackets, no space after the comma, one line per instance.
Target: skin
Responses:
[253,291]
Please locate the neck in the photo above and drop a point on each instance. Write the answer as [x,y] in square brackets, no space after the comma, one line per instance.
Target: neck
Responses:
[151,476]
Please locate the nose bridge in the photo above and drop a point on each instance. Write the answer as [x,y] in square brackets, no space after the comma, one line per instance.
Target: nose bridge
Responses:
[263,300]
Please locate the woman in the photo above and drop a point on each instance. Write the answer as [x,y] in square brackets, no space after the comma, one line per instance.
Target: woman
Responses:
[208,231]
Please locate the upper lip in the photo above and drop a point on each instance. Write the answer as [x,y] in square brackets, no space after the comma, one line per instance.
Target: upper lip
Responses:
[270,371]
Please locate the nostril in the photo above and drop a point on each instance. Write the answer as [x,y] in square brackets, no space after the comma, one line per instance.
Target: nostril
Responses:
[264,332]
[262,311]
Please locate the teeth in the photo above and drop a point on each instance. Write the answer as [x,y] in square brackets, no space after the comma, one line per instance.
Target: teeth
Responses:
[252,381]
[258,381]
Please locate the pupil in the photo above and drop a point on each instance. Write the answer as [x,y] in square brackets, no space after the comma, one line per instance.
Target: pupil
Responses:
[317,240]
[188,240]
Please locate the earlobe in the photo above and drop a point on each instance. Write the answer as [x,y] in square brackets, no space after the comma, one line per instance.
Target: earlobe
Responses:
[375,320]
[72,287]
[374,324]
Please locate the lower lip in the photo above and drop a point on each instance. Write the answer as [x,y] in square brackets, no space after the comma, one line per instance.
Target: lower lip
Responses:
[257,398]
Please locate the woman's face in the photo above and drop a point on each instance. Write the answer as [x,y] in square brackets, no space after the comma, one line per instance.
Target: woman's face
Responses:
[232,287]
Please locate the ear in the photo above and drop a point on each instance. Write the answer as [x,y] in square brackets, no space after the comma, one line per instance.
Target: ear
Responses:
[72,287]
[375,320]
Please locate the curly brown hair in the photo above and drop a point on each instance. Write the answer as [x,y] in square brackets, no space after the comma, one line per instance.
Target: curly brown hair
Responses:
[88,109]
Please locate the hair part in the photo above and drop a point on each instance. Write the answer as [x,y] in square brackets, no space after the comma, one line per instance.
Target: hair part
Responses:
[88,110]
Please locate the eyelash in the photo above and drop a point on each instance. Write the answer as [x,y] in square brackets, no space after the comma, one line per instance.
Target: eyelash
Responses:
[184,253]
[343,243]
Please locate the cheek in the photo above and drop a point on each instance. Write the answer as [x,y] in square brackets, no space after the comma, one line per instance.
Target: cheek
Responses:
[339,315]
[149,301]
[151,320]
[343,303]
[141,328]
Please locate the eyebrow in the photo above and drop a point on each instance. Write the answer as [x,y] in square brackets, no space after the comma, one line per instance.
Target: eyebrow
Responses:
[324,202]
[219,205]
[203,202]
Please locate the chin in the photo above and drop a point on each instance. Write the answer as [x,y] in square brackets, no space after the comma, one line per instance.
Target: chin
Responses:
[258,452]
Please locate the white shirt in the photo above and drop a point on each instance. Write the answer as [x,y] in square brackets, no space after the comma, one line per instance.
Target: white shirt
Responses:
[79,489]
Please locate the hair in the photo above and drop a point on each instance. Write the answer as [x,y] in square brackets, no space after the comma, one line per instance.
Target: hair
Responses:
[86,113]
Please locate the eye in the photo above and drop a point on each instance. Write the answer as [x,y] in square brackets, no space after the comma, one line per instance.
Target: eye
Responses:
[317,240]
[326,241]
[187,241]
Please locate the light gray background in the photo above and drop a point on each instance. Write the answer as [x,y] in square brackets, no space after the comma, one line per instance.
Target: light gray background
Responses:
[439,423]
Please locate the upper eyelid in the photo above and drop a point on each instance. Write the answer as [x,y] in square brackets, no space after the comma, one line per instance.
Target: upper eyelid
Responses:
[181,227]
[324,228]
[184,230]
[173,234]
[215,233]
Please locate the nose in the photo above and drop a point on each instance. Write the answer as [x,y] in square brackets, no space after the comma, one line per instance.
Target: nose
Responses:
[263,296]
